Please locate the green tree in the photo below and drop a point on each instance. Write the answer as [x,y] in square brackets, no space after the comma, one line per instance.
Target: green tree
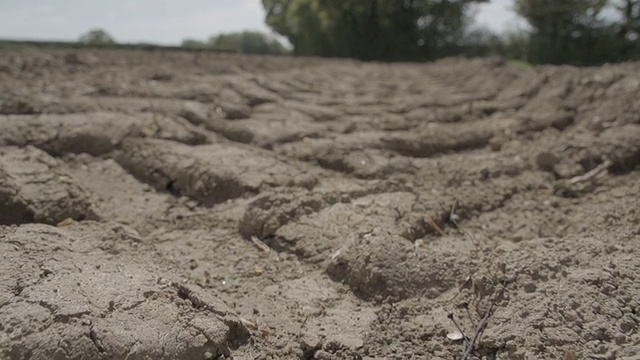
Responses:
[577,32]
[443,26]
[629,25]
[570,31]
[194,44]
[370,30]
[627,29]
[513,44]
[247,42]
[97,37]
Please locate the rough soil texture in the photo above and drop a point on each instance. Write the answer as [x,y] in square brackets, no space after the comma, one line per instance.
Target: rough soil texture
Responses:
[201,206]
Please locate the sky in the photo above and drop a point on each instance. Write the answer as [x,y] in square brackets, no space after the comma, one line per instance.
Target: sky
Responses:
[498,15]
[165,22]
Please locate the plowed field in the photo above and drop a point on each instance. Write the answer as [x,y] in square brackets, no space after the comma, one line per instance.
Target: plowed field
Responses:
[167,205]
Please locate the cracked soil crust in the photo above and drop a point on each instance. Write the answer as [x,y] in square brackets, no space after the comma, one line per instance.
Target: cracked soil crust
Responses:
[169,205]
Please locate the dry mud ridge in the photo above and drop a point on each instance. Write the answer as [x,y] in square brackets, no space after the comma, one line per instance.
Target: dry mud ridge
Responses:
[200,206]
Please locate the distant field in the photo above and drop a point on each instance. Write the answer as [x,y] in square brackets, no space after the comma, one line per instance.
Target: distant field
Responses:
[9,44]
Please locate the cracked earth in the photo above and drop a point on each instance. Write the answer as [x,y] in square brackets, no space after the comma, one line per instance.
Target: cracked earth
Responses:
[167,205]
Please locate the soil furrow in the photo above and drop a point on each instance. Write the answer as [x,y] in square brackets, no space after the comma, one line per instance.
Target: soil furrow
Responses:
[197,206]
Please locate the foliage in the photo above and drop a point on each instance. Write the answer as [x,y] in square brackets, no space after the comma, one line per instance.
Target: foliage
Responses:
[194,44]
[512,44]
[371,30]
[571,31]
[629,26]
[97,37]
[247,42]
[575,32]
[579,32]
[22,44]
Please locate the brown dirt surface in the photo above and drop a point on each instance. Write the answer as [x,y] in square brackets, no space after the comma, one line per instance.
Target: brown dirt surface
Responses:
[167,205]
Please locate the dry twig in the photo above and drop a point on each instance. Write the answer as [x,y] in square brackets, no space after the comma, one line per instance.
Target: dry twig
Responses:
[470,343]
[453,218]
[584,183]
[260,245]
[434,225]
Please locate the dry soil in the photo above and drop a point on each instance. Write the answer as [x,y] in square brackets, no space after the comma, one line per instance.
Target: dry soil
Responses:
[166,205]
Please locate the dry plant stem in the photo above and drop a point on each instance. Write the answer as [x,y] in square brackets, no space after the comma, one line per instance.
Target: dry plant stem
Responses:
[459,328]
[453,217]
[471,237]
[585,182]
[260,245]
[466,307]
[482,325]
[591,174]
[435,225]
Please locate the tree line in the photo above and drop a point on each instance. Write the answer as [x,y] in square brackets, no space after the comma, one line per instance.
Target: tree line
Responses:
[246,42]
[581,32]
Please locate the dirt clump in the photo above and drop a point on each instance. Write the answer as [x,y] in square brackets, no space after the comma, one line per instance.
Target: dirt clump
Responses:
[99,298]
[35,187]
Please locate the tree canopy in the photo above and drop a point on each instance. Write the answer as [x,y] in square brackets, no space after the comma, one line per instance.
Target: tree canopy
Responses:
[97,37]
[582,32]
[246,42]
[376,29]
[577,32]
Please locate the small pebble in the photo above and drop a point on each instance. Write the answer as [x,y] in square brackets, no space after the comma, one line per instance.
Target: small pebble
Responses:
[530,287]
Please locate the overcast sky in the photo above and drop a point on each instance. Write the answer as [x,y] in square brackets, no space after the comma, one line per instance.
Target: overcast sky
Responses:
[159,21]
